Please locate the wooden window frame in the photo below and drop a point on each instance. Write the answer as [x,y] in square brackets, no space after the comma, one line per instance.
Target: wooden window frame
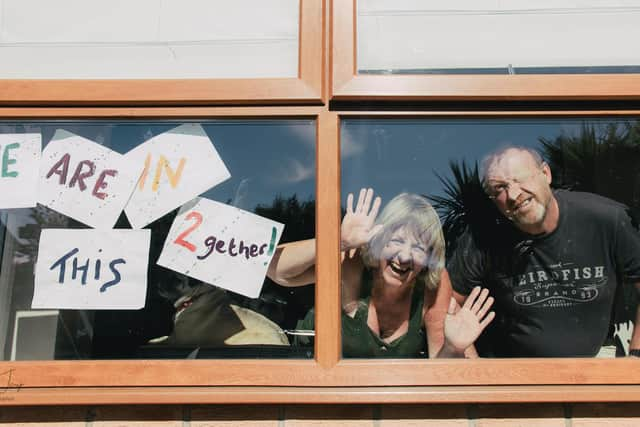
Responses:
[348,85]
[306,88]
[327,378]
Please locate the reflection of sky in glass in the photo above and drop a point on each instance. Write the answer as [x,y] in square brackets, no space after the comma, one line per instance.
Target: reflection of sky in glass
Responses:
[393,156]
[265,157]
[602,69]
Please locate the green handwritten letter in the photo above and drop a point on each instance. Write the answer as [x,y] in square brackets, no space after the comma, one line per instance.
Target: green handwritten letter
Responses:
[6,161]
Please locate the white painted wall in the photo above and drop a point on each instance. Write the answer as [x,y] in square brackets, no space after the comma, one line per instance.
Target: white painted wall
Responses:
[148,38]
[422,34]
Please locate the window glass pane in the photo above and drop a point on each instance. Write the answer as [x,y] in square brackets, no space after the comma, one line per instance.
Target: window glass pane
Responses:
[149,39]
[497,37]
[552,235]
[272,168]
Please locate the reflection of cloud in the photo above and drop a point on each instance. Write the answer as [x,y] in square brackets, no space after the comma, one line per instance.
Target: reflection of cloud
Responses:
[570,129]
[294,171]
[240,198]
[304,132]
[350,147]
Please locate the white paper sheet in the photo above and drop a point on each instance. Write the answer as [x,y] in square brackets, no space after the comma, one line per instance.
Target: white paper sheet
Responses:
[85,180]
[19,164]
[178,165]
[221,245]
[92,269]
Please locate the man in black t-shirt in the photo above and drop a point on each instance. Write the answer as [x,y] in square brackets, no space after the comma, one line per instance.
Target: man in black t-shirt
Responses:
[555,269]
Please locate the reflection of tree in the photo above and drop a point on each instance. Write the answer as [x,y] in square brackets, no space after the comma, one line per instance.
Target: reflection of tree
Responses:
[298,217]
[465,206]
[286,305]
[29,234]
[282,305]
[598,160]
[602,160]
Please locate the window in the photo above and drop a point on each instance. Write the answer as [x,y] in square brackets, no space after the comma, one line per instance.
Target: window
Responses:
[181,315]
[439,162]
[342,104]
[151,61]
[498,38]
[483,80]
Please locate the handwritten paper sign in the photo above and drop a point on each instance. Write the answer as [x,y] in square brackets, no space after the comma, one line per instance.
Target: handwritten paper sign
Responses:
[178,165]
[221,245]
[92,269]
[19,163]
[85,180]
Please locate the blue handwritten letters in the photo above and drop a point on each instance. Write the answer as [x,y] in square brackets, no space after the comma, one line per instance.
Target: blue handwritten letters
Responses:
[83,268]
[91,269]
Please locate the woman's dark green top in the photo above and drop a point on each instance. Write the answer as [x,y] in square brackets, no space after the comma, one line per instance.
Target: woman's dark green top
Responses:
[360,341]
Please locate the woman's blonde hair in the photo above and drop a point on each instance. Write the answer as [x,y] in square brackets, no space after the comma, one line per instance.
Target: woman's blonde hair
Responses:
[415,214]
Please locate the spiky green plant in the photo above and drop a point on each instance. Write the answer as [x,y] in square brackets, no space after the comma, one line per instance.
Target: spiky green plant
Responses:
[602,160]
[465,206]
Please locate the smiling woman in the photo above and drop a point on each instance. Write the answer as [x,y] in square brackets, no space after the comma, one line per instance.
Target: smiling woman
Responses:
[396,295]
[539,211]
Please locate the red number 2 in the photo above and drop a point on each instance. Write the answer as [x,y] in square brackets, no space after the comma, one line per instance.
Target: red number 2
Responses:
[180,239]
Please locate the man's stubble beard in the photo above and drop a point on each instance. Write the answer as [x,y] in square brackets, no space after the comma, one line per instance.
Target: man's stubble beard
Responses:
[530,218]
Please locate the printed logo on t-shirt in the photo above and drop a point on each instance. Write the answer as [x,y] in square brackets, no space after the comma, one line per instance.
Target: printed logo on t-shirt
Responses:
[559,285]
